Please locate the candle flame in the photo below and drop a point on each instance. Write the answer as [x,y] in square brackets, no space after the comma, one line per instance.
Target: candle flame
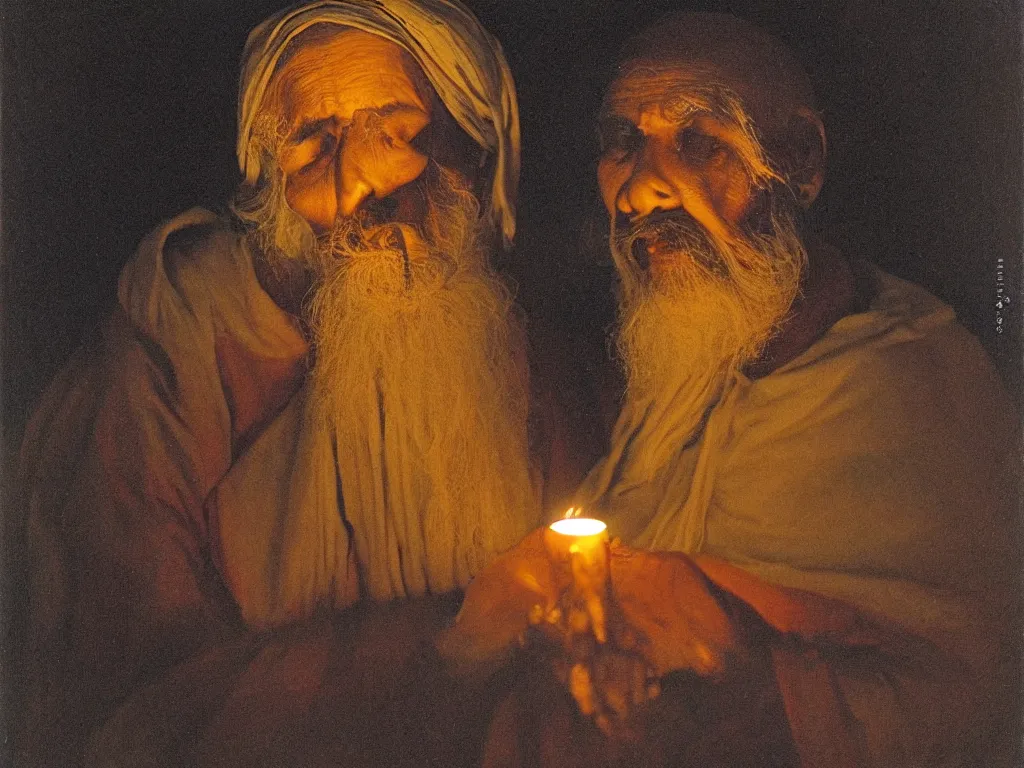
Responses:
[573,512]
[578,526]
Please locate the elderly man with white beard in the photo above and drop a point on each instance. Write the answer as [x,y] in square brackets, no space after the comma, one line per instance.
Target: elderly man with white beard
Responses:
[812,476]
[322,400]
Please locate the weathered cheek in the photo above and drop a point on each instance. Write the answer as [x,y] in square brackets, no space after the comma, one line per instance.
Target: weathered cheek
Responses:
[731,192]
[315,202]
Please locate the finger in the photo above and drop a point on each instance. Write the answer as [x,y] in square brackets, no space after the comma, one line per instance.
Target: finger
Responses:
[541,614]
[620,682]
[582,689]
[617,695]
[595,611]
[534,575]
[616,547]
[624,559]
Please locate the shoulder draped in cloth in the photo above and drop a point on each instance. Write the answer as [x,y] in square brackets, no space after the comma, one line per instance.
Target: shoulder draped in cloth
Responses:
[116,466]
[463,63]
[167,461]
[878,468]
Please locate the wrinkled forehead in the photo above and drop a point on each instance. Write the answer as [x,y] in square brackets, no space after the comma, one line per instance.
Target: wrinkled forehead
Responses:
[330,57]
[679,93]
[676,90]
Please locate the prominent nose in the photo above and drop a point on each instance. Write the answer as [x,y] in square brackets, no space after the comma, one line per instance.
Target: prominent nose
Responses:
[649,187]
[370,165]
[353,187]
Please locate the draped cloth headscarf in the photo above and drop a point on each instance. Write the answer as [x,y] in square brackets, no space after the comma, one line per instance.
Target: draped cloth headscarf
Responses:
[462,61]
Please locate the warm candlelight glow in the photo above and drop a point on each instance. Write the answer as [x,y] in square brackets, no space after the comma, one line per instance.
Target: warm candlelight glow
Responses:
[578,526]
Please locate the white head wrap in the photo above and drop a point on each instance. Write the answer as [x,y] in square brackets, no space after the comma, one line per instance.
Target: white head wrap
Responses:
[462,61]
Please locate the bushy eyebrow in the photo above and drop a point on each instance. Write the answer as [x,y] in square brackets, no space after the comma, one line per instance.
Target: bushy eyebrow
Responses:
[705,99]
[396,107]
[310,128]
[683,99]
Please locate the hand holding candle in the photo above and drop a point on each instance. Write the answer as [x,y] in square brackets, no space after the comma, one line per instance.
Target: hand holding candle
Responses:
[606,680]
[611,620]
[498,607]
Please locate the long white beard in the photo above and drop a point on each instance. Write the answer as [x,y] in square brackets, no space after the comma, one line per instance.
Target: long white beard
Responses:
[421,374]
[684,332]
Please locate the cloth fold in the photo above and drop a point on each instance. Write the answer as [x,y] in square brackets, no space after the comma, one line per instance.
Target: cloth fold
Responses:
[283,547]
[878,468]
[462,61]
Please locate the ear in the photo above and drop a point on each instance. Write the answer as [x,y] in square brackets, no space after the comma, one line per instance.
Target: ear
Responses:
[805,155]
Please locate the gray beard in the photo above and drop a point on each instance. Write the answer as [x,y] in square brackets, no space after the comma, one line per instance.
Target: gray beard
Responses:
[421,376]
[683,333]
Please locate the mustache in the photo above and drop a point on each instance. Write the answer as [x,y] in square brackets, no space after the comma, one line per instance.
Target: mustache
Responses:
[377,225]
[380,260]
[355,237]
[675,231]
[396,259]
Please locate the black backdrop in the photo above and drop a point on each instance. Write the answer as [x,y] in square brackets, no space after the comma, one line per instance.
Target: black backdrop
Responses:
[119,114]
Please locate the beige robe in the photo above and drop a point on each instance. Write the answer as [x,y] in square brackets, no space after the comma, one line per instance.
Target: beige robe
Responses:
[879,467]
[173,502]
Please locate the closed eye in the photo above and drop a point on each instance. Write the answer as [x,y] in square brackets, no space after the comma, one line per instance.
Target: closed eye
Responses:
[328,143]
[407,125]
[421,140]
[310,144]
[319,150]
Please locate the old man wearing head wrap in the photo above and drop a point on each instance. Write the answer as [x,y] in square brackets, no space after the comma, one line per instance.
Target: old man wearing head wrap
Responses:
[325,398]
[814,466]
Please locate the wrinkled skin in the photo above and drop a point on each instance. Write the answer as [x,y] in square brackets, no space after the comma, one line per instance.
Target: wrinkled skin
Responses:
[651,161]
[360,124]
[662,150]
[496,610]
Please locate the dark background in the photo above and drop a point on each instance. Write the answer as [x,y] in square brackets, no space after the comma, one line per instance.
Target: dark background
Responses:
[116,115]
[119,114]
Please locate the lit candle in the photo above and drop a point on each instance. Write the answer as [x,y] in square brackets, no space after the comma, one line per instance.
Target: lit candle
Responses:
[578,548]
